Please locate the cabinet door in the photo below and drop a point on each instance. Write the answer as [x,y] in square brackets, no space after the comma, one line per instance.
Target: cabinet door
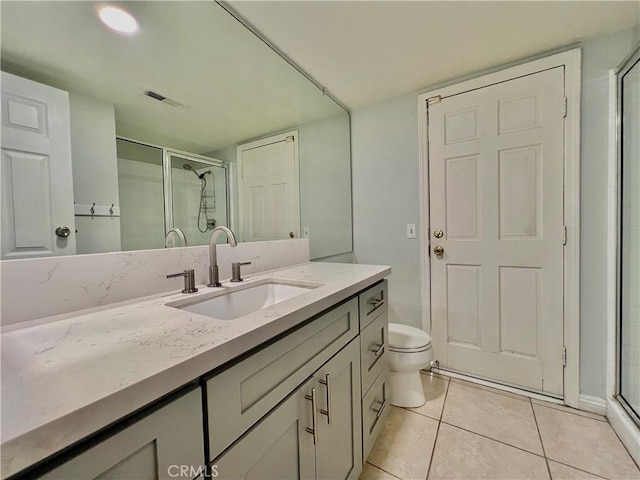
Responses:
[162,445]
[339,439]
[242,394]
[278,447]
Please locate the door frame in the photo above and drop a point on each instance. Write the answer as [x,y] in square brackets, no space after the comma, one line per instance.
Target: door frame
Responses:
[571,61]
[240,149]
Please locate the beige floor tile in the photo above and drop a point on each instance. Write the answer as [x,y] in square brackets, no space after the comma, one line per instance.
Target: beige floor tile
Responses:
[564,408]
[435,389]
[489,389]
[404,445]
[463,455]
[584,443]
[563,472]
[496,416]
[369,472]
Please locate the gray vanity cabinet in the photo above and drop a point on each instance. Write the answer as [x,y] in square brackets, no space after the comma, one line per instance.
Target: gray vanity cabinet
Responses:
[291,442]
[155,447]
[339,431]
[279,446]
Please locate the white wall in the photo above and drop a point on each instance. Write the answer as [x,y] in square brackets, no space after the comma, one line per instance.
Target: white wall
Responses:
[384,141]
[325,185]
[386,198]
[95,173]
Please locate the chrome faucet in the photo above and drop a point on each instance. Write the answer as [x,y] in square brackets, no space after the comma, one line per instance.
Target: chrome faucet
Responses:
[214,276]
[180,235]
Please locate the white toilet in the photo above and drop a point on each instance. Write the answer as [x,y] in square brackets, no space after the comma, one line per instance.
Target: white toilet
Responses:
[409,352]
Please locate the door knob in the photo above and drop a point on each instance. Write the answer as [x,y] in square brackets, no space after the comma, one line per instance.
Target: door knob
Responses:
[63,232]
[292,235]
[438,250]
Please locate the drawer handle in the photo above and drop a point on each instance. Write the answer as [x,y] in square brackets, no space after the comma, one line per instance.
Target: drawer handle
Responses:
[378,411]
[377,349]
[314,419]
[376,303]
[327,383]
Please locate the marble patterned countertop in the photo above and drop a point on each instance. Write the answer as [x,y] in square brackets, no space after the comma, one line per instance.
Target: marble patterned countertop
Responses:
[66,377]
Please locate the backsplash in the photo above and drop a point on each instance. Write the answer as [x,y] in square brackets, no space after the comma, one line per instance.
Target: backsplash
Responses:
[42,287]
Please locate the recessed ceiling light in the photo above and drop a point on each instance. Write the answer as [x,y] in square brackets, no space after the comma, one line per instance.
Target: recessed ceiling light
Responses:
[118,19]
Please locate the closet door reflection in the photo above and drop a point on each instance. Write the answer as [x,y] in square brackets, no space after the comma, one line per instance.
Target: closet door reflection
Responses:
[629,328]
[198,196]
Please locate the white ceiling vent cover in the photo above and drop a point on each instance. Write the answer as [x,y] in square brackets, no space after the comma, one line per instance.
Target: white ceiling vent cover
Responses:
[162,98]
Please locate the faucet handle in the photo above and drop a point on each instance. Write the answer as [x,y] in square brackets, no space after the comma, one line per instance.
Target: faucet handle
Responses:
[189,280]
[235,271]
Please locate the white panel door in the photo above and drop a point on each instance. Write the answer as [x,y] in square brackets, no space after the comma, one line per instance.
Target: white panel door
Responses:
[269,199]
[496,193]
[37,184]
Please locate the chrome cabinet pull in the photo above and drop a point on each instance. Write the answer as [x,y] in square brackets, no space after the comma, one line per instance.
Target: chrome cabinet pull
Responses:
[378,411]
[327,383]
[314,419]
[377,349]
[375,303]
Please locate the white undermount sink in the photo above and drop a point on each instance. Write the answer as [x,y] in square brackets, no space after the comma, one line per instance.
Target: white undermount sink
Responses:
[244,299]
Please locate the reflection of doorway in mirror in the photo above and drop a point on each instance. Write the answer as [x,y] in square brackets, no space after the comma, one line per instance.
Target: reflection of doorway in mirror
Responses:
[268,188]
[37,186]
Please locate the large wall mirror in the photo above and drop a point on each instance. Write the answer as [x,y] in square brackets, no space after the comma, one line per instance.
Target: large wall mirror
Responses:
[109,140]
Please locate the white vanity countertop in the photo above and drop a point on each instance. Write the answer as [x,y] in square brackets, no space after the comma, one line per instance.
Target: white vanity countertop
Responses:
[68,376]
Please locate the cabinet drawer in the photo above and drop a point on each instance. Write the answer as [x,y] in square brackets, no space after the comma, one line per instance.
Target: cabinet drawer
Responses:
[373,302]
[239,396]
[375,408]
[374,350]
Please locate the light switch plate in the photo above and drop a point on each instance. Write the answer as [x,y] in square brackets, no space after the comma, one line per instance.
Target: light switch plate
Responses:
[305,232]
[411,230]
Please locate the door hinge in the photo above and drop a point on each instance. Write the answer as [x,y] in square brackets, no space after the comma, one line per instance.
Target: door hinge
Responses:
[432,100]
[564,356]
[564,235]
[565,107]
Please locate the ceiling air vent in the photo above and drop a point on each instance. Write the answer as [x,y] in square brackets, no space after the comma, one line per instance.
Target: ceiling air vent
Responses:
[162,98]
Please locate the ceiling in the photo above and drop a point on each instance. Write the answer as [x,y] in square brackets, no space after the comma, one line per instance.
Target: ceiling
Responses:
[229,85]
[367,51]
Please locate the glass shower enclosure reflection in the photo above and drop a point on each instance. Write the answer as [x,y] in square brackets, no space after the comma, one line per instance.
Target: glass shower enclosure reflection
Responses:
[198,199]
[161,189]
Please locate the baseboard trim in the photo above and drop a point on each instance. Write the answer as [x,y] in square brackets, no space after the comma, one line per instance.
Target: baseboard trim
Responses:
[593,404]
[624,427]
[497,386]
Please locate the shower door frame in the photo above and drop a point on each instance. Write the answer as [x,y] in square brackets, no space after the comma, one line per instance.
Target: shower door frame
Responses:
[619,417]
[168,182]
[632,59]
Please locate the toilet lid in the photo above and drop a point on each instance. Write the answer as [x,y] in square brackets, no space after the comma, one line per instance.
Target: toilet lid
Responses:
[404,337]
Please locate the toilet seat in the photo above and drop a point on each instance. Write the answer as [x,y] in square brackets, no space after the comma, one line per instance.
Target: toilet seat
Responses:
[406,339]
[409,350]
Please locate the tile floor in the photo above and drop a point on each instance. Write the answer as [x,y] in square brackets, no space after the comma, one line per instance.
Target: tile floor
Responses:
[468,431]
